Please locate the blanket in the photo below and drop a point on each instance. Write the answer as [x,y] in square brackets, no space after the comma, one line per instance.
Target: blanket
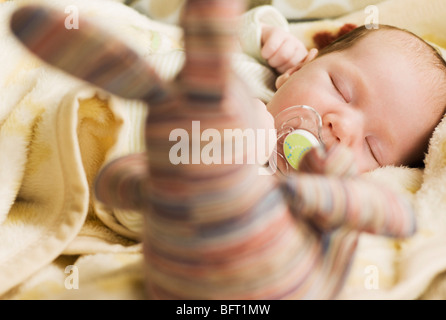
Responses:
[56,132]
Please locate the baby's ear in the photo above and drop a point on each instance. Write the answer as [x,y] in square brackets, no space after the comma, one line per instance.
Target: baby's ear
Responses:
[312,54]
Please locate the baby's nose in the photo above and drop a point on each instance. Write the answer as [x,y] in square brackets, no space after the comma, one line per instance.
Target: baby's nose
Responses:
[328,136]
[346,129]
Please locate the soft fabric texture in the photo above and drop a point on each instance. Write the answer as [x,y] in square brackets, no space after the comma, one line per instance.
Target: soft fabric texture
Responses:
[170,11]
[317,9]
[425,19]
[56,132]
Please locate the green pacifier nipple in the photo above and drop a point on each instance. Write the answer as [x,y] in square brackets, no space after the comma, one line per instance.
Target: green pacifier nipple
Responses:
[297,144]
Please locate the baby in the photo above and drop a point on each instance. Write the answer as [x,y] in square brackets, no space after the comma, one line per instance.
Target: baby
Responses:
[379,92]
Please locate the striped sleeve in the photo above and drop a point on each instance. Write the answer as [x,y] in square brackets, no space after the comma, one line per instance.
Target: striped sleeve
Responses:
[330,202]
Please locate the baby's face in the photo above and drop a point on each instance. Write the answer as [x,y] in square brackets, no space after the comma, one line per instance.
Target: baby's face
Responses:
[370,98]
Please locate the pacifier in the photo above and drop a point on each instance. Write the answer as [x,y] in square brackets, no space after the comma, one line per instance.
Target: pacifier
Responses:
[299,128]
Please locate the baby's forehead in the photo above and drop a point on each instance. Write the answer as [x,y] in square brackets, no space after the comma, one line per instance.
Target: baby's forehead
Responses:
[421,63]
[387,39]
[395,45]
[405,43]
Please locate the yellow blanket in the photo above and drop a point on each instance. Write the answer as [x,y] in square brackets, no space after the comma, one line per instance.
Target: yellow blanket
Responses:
[57,242]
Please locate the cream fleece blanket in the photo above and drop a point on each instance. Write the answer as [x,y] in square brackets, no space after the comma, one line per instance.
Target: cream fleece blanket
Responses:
[57,242]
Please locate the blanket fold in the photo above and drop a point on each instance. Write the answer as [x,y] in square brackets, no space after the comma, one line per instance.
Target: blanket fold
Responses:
[44,217]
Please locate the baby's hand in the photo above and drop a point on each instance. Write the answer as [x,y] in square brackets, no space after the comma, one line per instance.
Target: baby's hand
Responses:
[281,49]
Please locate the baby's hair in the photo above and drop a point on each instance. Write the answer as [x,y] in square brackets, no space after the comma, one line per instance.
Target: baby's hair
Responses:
[349,39]
[419,50]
